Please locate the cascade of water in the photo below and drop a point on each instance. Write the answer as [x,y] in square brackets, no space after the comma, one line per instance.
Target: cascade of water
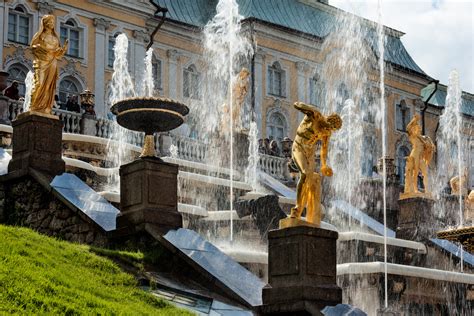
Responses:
[149,82]
[122,83]
[346,156]
[224,48]
[344,87]
[251,172]
[28,88]
[450,141]
[381,48]
[122,87]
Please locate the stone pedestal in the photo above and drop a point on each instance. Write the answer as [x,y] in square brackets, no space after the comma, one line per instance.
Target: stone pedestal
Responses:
[149,195]
[301,271]
[416,220]
[4,110]
[37,144]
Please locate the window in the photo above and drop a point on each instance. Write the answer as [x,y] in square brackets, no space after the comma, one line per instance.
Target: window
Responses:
[341,96]
[368,160]
[367,106]
[402,153]
[191,78]
[276,80]
[276,127]
[67,87]
[72,32]
[315,91]
[111,53]
[156,65]
[402,116]
[18,25]
[18,73]
[110,50]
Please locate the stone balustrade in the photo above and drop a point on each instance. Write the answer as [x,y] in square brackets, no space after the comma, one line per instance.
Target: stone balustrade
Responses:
[187,148]
[71,120]
[274,166]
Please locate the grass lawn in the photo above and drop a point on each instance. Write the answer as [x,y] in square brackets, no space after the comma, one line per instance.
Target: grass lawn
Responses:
[43,275]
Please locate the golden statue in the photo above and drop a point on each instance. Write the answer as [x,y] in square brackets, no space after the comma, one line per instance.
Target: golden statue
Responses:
[46,50]
[314,127]
[459,185]
[239,92]
[469,209]
[418,161]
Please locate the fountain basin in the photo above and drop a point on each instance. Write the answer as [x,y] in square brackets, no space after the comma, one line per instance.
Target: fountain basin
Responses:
[149,115]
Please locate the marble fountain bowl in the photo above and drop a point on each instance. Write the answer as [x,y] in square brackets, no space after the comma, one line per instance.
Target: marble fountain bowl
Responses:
[149,115]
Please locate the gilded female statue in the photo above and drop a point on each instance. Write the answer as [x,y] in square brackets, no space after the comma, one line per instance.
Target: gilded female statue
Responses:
[314,127]
[46,50]
[419,159]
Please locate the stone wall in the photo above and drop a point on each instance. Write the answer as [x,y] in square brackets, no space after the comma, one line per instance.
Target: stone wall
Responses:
[25,202]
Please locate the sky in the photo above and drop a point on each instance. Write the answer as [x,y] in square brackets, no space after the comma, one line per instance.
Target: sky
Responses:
[439,34]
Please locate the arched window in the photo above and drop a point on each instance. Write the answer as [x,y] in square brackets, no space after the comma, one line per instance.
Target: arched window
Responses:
[191,78]
[368,159]
[67,87]
[19,25]
[402,153]
[277,127]
[276,80]
[341,96]
[18,73]
[402,116]
[156,65]
[71,31]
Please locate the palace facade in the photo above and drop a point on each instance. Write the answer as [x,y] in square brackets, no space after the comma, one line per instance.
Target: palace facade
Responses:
[286,67]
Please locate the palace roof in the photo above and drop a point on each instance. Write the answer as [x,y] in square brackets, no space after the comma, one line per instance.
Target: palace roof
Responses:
[301,16]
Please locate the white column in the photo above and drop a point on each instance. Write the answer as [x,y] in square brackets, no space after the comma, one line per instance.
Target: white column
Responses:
[173,73]
[259,60]
[301,82]
[3,26]
[101,49]
[141,38]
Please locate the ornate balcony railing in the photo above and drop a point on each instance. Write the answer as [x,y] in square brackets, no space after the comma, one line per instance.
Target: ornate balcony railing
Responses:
[274,166]
[187,148]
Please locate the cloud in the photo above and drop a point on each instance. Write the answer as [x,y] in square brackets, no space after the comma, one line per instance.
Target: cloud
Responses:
[439,33]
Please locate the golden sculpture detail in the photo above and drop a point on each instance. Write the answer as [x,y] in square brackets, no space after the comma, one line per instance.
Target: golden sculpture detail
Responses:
[148,147]
[46,50]
[418,161]
[469,209]
[239,93]
[459,185]
[314,127]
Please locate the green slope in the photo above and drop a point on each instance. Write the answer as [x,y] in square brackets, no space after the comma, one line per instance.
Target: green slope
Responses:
[42,275]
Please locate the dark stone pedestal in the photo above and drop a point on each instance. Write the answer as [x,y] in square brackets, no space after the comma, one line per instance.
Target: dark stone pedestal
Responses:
[301,271]
[149,196]
[416,220]
[37,144]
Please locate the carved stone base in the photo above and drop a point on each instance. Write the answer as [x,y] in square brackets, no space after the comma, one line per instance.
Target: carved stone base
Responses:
[416,219]
[37,144]
[149,195]
[301,271]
